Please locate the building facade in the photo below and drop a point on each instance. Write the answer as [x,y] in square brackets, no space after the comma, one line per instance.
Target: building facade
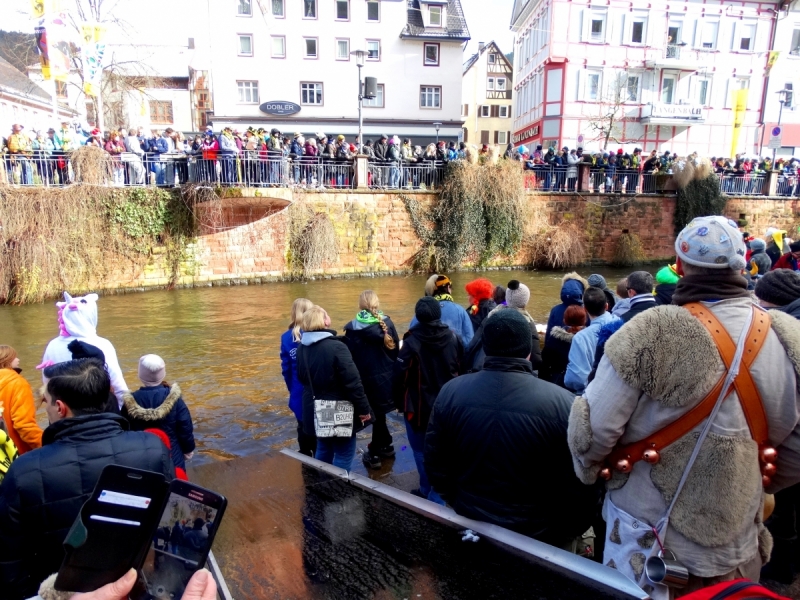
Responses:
[270,53]
[25,102]
[784,74]
[487,97]
[650,74]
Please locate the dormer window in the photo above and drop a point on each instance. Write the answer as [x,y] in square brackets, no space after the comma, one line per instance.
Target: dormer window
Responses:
[434,13]
[435,16]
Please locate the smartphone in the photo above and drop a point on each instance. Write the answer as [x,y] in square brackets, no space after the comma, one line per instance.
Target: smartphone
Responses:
[183,536]
[110,534]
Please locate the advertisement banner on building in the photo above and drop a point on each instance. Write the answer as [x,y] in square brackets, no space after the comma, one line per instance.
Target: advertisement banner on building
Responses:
[773,58]
[739,110]
[93,36]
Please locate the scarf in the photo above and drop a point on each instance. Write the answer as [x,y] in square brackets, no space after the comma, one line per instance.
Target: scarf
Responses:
[443,297]
[368,318]
[719,286]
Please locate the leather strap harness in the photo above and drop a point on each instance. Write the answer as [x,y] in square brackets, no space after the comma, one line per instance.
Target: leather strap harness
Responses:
[623,458]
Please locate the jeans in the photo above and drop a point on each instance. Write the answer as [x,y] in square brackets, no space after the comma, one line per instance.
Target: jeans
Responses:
[381,438]
[416,439]
[394,176]
[338,452]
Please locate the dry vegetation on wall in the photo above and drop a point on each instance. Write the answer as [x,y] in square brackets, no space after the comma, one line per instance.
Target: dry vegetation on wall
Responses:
[698,192]
[559,246]
[70,238]
[481,214]
[312,240]
[628,251]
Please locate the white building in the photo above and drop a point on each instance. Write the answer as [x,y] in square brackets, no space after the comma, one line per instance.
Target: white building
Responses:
[785,74]
[298,51]
[486,96]
[23,101]
[641,73]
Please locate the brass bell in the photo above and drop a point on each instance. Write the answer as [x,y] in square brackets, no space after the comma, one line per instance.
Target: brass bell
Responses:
[605,474]
[769,469]
[769,455]
[651,456]
[765,480]
[623,465]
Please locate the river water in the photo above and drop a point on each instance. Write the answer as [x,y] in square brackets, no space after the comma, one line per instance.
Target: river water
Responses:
[221,344]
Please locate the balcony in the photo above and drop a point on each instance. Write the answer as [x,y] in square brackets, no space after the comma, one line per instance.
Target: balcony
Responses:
[676,56]
[661,113]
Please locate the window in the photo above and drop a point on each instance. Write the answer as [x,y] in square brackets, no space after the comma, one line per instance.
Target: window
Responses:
[637,32]
[503,112]
[490,83]
[748,37]
[431,55]
[309,9]
[435,16]
[278,46]
[61,89]
[484,111]
[492,58]
[373,49]
[597,29]
[702,96]
[342,49]
[502,137]
[430,96]
[342,10]
[311,47]
[160,112]
[311,93]
[592,85]
[668,90]
[674,33]
[248,92]
[277,9]
[789,94]
[373,10]
[245,8]
[708,38]
[246,45]
[377,101]
[795,49]
[632,88]
[500,84]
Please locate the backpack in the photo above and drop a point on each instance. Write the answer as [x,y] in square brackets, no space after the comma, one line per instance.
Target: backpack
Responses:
[342,151]
[737,589]
[8,450]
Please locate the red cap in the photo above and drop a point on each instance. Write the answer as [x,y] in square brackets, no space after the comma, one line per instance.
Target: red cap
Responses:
[619,151]
[95,131]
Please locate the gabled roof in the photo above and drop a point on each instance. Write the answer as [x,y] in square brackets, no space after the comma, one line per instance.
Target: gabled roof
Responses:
[456,29]
[522,8]
[474,58]
[17,83]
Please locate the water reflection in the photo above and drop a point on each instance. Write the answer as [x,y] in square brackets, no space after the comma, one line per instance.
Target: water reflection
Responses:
[222,344]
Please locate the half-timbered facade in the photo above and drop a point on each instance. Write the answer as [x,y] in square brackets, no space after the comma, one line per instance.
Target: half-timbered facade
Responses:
[487,96]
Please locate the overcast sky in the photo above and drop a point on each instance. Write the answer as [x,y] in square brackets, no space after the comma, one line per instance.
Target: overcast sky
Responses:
[487,19]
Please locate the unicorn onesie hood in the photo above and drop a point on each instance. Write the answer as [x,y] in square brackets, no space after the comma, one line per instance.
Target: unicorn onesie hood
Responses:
[77,320]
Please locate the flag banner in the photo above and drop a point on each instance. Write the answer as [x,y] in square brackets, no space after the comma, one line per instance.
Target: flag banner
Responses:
[41,49]
[739,110]
[39,8]
[773,58]
[58,36]
[93,36]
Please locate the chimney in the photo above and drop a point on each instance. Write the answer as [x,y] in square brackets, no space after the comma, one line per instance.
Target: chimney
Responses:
[481,46]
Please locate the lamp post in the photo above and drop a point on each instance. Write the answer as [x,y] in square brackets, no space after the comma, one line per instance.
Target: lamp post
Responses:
[360,56]
[782,97]
[437,125]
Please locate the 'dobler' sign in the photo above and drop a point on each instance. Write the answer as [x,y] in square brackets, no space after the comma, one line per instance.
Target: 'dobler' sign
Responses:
[279,107]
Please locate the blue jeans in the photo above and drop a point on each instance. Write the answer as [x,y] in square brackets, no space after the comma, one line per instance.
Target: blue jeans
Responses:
[417,442]
[336,451]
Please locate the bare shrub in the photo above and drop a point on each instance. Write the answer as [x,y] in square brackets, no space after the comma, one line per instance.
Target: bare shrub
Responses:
[628,251]
[92,165]
[557,247]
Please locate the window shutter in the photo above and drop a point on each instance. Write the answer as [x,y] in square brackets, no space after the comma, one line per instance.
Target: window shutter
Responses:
[610,27]
[762,35]
[466,136]
[496,137]
[466,110]
[495,111]
[484,137]
[626,28]
[581,85]
[584,25]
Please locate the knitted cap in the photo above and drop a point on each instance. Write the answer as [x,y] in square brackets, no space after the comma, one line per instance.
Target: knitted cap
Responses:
[517,294]
[507,333]
[795,246]
[758,245]
[597,280]
[152,370]
[779,287]
[442,281]
[427,310]
[711,242]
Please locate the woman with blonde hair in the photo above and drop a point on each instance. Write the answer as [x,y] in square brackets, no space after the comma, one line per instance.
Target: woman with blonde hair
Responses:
[290,340]
[374,344]
[16,403]
[327,371]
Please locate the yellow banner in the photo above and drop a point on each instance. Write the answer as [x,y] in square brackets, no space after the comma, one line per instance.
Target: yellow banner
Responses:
[39,8]
[93,38]
[773,58]
[739,110]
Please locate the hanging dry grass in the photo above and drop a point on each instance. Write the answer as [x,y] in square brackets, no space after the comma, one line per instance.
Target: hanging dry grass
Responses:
[628,251]
[692,169]
[557,247]
[312,240]
[91,165]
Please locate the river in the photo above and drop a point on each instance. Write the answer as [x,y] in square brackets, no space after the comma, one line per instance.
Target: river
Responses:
[221,344]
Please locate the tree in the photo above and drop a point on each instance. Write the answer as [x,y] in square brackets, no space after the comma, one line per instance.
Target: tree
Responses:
[613,103]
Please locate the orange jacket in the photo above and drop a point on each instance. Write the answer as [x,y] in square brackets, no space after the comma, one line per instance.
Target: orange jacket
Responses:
[19,411]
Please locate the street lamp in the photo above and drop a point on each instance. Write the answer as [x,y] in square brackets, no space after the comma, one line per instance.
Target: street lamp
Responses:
[783,96]
[437,125]
[360,55]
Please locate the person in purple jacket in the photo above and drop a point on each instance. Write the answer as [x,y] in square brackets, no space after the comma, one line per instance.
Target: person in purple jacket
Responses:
[289,342]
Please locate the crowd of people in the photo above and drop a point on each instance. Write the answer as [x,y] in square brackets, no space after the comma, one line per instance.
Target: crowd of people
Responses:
[538,441]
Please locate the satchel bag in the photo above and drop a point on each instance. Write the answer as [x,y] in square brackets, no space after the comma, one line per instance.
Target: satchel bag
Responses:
[332,418]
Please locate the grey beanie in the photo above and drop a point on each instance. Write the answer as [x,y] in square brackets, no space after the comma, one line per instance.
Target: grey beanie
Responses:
[152,370]
[597,280]
[779,287]
[517,294]
[713,243]
[758,245]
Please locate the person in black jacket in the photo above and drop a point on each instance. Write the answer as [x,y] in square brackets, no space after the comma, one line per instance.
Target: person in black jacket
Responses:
[373,342]
[327,371]
[496,448]
[430,357]
[160,405]
[44,489]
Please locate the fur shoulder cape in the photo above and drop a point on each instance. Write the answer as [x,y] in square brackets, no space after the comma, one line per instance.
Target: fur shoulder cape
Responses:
[152,414]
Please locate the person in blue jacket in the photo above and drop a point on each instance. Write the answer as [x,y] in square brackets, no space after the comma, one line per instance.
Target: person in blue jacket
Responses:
[572,288]
[290,340]
[453,315]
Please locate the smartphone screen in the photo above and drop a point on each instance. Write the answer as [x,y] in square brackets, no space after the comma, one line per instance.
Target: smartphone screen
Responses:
[181,542]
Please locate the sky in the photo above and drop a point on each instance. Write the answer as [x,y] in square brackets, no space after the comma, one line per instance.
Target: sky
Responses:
[487,19]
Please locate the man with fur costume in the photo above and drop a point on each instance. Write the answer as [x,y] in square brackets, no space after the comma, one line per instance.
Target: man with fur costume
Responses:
[77,320]
[657,368]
